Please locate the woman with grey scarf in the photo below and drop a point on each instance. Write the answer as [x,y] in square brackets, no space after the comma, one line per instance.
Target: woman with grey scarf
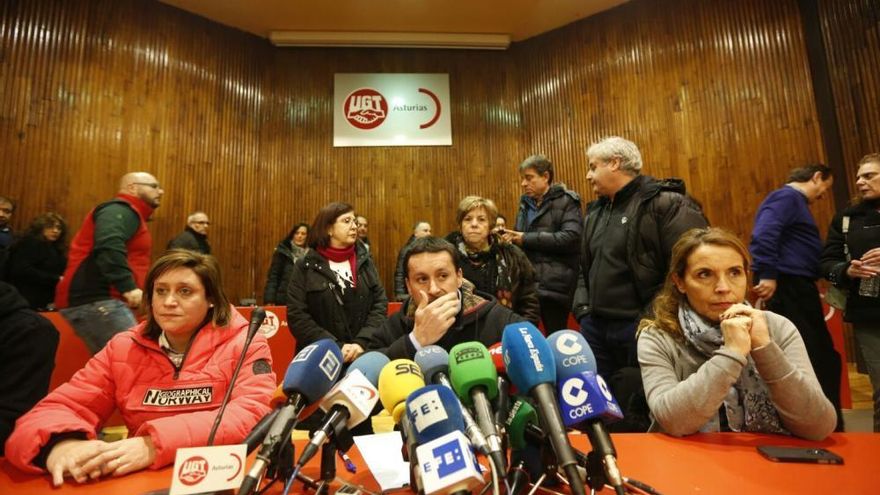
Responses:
[711,362]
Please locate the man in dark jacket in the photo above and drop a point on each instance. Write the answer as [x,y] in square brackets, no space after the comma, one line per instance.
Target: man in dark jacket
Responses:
[785,250]
[626,247]
[27,358]
[108,262]
[548,229]
[443,308]
[195,236]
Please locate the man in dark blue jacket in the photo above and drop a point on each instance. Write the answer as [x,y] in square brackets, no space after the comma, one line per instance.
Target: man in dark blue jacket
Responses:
[785,250]
[548,229]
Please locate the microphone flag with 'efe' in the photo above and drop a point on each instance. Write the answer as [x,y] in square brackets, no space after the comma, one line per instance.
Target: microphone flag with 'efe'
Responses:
[530,366]
[446,463]
[475,381]
[434,361]
[309,377]
[347,405]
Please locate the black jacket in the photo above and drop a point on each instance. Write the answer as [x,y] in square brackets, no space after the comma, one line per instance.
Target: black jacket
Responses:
[551,242]
[283,259]
[315,308]
[400,292]
[484,322]
[515,284]
[654,216]
[863,235]
[34,268]
[27,358]
[192,240]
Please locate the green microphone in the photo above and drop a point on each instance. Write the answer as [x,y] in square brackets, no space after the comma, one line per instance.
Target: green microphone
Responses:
[475,381]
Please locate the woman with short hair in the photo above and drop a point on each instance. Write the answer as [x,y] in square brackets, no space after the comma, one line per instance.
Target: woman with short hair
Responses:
[37,260]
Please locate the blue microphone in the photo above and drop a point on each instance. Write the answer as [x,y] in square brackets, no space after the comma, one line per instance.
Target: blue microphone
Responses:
[309,377]
[434,362]
[531,367]
[586,401]
[446,462]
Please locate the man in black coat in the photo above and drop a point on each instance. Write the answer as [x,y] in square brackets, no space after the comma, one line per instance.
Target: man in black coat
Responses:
[443,308]
[27,358]
[195,236]
[626,248]
[548,229]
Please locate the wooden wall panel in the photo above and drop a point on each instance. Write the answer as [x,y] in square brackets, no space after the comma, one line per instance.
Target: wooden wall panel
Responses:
[715,92]
[851,30]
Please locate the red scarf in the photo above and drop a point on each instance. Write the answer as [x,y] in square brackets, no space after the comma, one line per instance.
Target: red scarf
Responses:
[339,255]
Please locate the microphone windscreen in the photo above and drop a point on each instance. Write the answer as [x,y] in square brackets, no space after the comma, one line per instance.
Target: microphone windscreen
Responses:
[572,354]
[470,366]
[527,356]
[434,411]
[313,370]
[521,415]
[432,359]
[497,355]
[370,364]
[397,380]
[585,396]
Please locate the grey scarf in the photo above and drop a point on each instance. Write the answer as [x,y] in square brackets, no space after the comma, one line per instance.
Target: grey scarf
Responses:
[747,404]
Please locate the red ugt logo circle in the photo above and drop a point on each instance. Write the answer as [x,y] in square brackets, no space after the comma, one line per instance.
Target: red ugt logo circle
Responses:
[193,470]
[365,108]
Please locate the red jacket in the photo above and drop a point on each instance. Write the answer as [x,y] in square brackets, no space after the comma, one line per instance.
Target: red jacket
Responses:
[133,374]
[83,279]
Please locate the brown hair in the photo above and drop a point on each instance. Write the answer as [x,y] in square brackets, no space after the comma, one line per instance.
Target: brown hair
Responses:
[471,203]
[41,222]
[667,301]
[206,268]
[326,217]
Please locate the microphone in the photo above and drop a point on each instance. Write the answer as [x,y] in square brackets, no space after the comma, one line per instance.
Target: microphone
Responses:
[258,432]
[586,401]
[474,380]
[348,404]
[397,380]
[434,362]
[257,317]
[447,463]
[310,375]
[530,366]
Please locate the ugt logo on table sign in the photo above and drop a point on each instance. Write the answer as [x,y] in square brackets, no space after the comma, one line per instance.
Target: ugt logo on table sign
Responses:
[365,108]
[193,470]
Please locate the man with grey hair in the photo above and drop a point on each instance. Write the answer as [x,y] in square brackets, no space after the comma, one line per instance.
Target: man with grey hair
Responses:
[108,262]
[548,229]
[195,236]
[625,249]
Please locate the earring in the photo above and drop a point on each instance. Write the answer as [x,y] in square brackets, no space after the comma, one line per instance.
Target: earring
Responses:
[211,305]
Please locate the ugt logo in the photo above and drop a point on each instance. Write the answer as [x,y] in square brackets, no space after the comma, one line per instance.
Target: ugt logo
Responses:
[365,108]
[193,470]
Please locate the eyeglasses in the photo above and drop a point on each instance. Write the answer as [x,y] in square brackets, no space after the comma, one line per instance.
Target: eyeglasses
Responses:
[154,185]
[203,222]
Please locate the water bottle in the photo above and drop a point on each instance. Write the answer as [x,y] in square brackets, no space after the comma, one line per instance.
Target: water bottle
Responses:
[870,287]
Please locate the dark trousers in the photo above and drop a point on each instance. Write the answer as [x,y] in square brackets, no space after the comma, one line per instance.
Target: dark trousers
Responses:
[554,314]
[797,299]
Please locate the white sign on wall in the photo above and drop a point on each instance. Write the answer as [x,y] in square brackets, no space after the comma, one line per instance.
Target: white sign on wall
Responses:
[391,110]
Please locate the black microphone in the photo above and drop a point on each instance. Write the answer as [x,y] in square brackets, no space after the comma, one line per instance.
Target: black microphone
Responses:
[310,375]
[258,432]
[257,318]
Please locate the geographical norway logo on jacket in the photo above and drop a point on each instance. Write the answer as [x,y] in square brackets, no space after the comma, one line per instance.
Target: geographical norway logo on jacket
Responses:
[178,396]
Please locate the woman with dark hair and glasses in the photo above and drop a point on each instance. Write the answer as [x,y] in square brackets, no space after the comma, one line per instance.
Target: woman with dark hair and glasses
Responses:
[335,291]
[167,376]
[37,260]
[290,249]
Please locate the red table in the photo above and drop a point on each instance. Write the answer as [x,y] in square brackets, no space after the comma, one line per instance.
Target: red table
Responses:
[705,464]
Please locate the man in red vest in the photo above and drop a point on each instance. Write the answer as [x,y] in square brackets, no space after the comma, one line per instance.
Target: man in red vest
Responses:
[108,262]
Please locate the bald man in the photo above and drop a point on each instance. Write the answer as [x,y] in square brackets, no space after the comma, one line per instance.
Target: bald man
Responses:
[108,262]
